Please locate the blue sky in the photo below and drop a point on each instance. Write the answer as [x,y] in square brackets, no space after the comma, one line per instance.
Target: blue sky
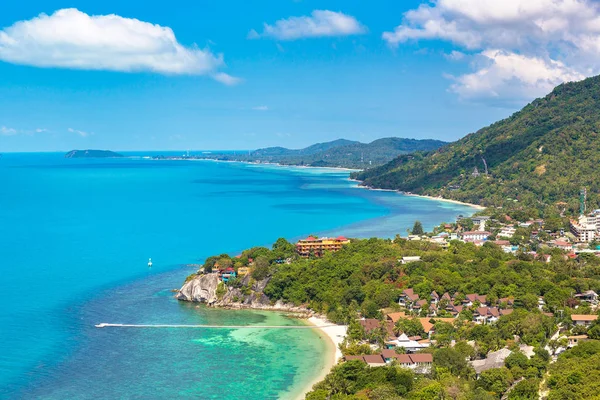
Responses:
[243,75]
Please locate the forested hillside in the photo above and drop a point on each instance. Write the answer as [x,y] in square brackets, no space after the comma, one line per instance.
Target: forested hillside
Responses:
[541,155]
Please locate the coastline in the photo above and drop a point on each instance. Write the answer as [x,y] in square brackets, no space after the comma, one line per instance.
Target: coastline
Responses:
[334,336]
[358,186]
[438,198]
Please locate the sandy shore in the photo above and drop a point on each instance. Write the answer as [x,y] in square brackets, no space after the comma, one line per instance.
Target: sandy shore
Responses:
[477,206]
[335,336]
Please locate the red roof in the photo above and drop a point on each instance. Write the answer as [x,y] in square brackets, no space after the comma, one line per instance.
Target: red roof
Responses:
[341,239]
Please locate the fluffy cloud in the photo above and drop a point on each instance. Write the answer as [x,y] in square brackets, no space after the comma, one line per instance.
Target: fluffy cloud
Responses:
[512,76]
[70,38]
[523,47]
[261,108]
[320,23]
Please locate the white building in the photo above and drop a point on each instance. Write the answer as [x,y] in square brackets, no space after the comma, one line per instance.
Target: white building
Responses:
[585,228]
[475,235]
[507,232]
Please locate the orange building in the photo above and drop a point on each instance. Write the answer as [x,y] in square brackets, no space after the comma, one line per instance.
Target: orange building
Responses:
[318,246]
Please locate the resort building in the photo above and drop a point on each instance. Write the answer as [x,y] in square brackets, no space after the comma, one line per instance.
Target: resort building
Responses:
[585,229]
[590,297]
[507,232]
[317,247]
[419,363]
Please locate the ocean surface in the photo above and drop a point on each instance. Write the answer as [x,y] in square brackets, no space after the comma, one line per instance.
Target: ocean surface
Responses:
[75,238]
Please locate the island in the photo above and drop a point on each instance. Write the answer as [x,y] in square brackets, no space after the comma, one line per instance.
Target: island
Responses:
[92,154]
[339,153]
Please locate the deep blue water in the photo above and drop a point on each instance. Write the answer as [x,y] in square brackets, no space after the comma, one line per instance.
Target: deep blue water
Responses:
[75,237]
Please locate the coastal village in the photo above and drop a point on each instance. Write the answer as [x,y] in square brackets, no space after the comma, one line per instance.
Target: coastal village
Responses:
[410,332]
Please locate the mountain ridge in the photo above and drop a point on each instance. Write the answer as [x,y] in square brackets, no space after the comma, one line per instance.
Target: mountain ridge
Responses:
[539,156]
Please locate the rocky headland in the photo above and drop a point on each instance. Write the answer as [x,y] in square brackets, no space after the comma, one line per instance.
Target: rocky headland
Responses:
[208,289]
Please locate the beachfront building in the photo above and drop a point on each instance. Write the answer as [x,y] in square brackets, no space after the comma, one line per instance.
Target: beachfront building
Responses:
[317,247]
[411,345]
[419,363]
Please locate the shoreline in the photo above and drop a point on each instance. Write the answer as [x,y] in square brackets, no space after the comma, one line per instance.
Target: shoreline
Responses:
[358,186]
[334,336]
[437,198]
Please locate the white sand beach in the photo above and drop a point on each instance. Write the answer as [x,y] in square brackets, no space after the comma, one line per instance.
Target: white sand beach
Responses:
[335,335]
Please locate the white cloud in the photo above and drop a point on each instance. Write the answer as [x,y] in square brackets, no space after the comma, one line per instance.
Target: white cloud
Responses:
[319,24]
[80,133]
[529,45]
[261,108]
[226,79]
[4,131]
[70,38]
[510,76]
[41,130]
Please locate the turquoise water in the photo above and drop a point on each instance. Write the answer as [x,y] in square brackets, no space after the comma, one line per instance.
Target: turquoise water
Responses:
[75,237]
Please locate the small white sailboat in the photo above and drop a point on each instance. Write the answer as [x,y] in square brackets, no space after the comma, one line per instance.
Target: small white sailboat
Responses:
[149,263]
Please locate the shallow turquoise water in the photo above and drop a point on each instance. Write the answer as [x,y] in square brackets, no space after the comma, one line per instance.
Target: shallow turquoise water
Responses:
[75,236]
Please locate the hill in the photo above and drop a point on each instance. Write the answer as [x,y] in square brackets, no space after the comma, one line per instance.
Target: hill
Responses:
[537,157]
[338,153]
[92,154]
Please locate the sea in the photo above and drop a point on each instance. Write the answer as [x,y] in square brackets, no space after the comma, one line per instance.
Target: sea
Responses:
[75,239]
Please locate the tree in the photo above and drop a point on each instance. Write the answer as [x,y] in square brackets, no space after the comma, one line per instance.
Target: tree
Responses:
[495,380]
[451,360]
[417,228]
[410,326]
[261,268]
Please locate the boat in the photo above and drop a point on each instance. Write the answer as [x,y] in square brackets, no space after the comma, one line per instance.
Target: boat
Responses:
[149,263]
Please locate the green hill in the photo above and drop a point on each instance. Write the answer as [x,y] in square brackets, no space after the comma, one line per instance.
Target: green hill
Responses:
[539,156]
[338,153]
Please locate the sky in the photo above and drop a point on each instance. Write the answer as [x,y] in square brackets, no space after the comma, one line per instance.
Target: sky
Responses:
[238,74]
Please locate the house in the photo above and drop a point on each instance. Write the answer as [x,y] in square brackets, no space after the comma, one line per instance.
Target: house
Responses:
[590,296]
[472,298]
[317,247]
[574,340]
[396,316]
[583,320]
[227,274]
[374,360]
[561,244]
[408,297]
[372,324]
[475,235]
[435,298]
[408,260]
[489,315]
[419,363]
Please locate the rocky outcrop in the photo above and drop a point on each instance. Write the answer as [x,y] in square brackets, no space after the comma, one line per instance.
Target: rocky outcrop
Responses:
[203,289]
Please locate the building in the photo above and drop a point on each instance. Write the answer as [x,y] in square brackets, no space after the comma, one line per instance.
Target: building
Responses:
[473,236]
[590,296]
[585,229]
[408,260]
[489,315]
[493,360]
[507,232]
[419,363]
[583,320]
[408,297]
[317,247]
[244,270]
[480,222]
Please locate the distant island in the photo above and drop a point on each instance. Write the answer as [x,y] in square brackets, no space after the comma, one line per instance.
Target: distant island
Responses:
[92,154]
[341,153]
